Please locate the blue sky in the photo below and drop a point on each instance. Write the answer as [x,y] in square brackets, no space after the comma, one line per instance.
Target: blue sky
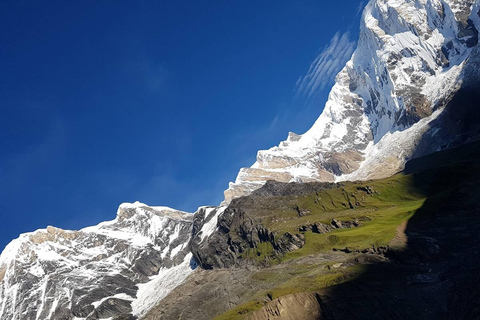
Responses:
[158,101]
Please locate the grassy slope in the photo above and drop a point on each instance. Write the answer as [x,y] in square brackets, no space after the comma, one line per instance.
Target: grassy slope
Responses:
[393,201]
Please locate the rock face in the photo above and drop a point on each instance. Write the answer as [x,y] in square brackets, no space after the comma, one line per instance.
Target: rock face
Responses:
[237,232]
[105,271]
[394,100]
[301,306]
[333,225]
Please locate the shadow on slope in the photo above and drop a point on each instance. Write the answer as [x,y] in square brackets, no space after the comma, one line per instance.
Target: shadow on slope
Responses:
[459,122]
[431,272]
[437,275]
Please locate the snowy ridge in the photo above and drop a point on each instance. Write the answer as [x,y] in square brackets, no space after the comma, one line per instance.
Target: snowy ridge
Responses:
[110,261]
[120,267]
[409,61]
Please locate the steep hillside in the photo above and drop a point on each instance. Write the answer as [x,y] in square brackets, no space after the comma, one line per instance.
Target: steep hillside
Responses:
[397,248]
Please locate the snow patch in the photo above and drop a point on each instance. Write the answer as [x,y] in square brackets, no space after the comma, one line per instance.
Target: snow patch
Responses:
[209,227]
[150,293]
[122,296]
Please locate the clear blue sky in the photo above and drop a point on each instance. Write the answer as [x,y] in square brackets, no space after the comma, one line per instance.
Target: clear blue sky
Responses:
[104,102]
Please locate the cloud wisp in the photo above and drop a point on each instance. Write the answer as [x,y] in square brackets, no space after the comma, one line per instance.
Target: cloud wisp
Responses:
[325,66]
[360,7]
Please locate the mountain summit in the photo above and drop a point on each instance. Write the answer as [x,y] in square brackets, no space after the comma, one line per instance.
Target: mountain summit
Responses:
[394,100]
[410,89]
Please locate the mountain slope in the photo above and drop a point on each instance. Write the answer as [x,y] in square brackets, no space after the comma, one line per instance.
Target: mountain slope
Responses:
[405,249]
[95,272]
[412,58]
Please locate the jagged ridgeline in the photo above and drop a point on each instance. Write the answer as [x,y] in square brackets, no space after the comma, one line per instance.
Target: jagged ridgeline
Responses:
[312,244]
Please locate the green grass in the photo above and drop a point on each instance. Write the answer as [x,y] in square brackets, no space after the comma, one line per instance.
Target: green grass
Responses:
[241,311]
[393,201]
[296,278]
[280,214]
[263,254]
[377,232]
[314,280]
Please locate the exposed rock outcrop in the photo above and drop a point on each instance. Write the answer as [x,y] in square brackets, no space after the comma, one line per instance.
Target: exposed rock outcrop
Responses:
[321,228]
[300,306]
[237,233]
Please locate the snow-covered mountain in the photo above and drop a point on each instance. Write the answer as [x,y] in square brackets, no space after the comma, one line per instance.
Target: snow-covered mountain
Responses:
[117,269]
[412,58]
[406,91]
[99,271]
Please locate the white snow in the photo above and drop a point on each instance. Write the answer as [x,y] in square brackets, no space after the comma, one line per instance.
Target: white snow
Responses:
[81,258]
[150,293]
[395,144]
[177,249]
[122,296]
[209,227]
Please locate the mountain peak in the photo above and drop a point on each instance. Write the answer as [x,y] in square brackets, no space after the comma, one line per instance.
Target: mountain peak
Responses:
[128,210]
[410,61]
